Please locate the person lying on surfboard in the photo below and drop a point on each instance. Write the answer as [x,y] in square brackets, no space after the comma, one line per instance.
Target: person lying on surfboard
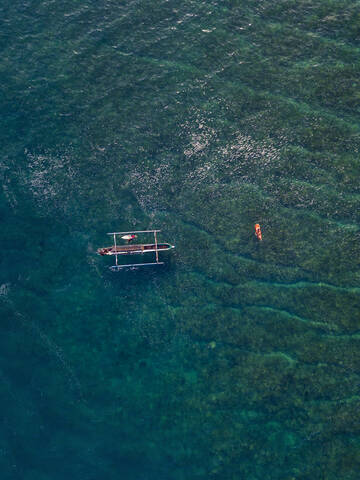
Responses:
[129,238]
[258,231]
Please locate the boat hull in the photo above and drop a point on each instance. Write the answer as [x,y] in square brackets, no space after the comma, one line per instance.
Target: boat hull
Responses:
[134,249]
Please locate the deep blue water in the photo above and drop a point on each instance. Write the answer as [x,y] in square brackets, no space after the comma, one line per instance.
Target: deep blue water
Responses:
[239,359]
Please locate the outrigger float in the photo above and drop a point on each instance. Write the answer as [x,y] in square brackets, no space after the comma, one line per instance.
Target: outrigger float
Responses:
[131,249]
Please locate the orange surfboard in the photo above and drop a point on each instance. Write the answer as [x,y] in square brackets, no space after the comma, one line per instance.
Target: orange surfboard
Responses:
[258,231]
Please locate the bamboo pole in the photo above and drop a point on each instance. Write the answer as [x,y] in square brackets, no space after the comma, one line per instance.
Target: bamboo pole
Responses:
[116,260]
[134,231]
[156,249]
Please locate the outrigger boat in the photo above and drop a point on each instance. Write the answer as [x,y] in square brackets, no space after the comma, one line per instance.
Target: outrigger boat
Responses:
[130,249]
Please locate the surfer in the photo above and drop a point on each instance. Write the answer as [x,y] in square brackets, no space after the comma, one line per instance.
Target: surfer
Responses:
[129,238]
[258,231]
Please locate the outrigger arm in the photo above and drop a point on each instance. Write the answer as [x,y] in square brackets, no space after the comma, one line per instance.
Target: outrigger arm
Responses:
[116,259]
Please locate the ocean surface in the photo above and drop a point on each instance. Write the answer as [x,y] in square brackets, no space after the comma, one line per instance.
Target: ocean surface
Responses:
[237,359]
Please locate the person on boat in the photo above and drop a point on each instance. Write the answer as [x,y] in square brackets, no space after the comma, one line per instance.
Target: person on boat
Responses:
[258,231]
[129,237]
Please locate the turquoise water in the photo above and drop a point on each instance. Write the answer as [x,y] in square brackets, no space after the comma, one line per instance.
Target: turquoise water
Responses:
[237,359]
